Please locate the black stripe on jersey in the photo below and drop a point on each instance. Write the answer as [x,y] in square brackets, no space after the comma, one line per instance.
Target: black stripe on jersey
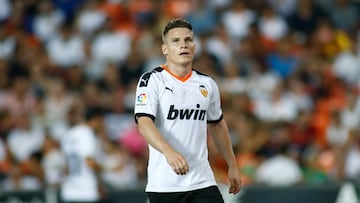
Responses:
[201,73]
[145,78]
[138,115]
[216,121]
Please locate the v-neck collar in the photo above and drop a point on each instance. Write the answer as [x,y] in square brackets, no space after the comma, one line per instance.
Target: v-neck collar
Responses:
[182,79]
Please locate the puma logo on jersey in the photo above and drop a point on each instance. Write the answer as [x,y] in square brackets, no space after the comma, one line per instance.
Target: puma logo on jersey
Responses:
[143,82]
[187,114]
[168,88]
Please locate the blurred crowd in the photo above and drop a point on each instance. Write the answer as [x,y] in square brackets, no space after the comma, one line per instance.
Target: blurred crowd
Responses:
[288,73]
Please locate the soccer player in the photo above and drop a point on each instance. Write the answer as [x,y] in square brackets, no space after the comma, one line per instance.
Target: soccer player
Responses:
[176,107]
[79,146]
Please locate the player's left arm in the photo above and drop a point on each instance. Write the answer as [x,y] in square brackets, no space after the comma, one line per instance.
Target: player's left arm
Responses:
[221,137]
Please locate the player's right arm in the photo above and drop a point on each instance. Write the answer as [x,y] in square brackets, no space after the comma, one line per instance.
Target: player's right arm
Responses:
[146,104]
[153,137]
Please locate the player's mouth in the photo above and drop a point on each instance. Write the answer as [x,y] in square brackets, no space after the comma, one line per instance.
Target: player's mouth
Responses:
[184,54]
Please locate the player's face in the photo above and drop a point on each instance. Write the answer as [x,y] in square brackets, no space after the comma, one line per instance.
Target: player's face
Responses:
[179,46]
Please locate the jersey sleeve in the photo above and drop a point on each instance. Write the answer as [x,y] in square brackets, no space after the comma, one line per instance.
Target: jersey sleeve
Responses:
[146,100]
[214,112]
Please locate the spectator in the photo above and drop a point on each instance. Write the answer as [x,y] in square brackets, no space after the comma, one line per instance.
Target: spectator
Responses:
[306,17]
[202,17]
[237,20]
[282,60]
[19,181]
[19,100]
[5,9]
[352,159]
[7,43]
[109,46]
[143,12]
[347,64]
[57,104]
[24,140]
[279,169]
[53,162]
[176,8]
[47,21]
[67,49]
[337,137]
[337,134]
[277,107]
[68,8]
[232,82]
[302,136]
[299,94]
[132,68]
[119,168]
[345,15]
[283,7]
[350,114]
[219,45]
[328,41]
[90,18]
[271,25]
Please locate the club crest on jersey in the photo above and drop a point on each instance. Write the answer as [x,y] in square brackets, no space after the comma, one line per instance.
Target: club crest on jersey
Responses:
[203,90]
[141,99]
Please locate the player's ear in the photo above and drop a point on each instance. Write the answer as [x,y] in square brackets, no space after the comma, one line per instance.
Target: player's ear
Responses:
[164,49]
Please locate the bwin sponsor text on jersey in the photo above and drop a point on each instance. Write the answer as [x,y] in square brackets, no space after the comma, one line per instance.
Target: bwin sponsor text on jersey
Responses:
[187,114]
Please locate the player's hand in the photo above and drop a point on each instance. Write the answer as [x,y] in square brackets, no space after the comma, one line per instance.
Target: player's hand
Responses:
[177,162]
[235,179]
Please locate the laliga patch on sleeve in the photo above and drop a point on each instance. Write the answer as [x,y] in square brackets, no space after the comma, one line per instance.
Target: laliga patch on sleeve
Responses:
[141,99]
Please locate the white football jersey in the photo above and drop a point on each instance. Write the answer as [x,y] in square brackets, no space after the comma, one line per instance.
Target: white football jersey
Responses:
[181,109]
[80,183]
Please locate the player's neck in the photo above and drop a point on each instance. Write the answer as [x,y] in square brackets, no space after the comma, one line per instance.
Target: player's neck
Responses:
[180,71]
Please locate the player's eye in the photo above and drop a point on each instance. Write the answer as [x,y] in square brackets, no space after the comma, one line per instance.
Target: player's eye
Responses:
[189,39]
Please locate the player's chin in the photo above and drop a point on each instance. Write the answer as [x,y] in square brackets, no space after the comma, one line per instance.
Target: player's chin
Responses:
[185,60]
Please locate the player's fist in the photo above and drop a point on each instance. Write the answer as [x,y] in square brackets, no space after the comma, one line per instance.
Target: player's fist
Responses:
[177,162]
